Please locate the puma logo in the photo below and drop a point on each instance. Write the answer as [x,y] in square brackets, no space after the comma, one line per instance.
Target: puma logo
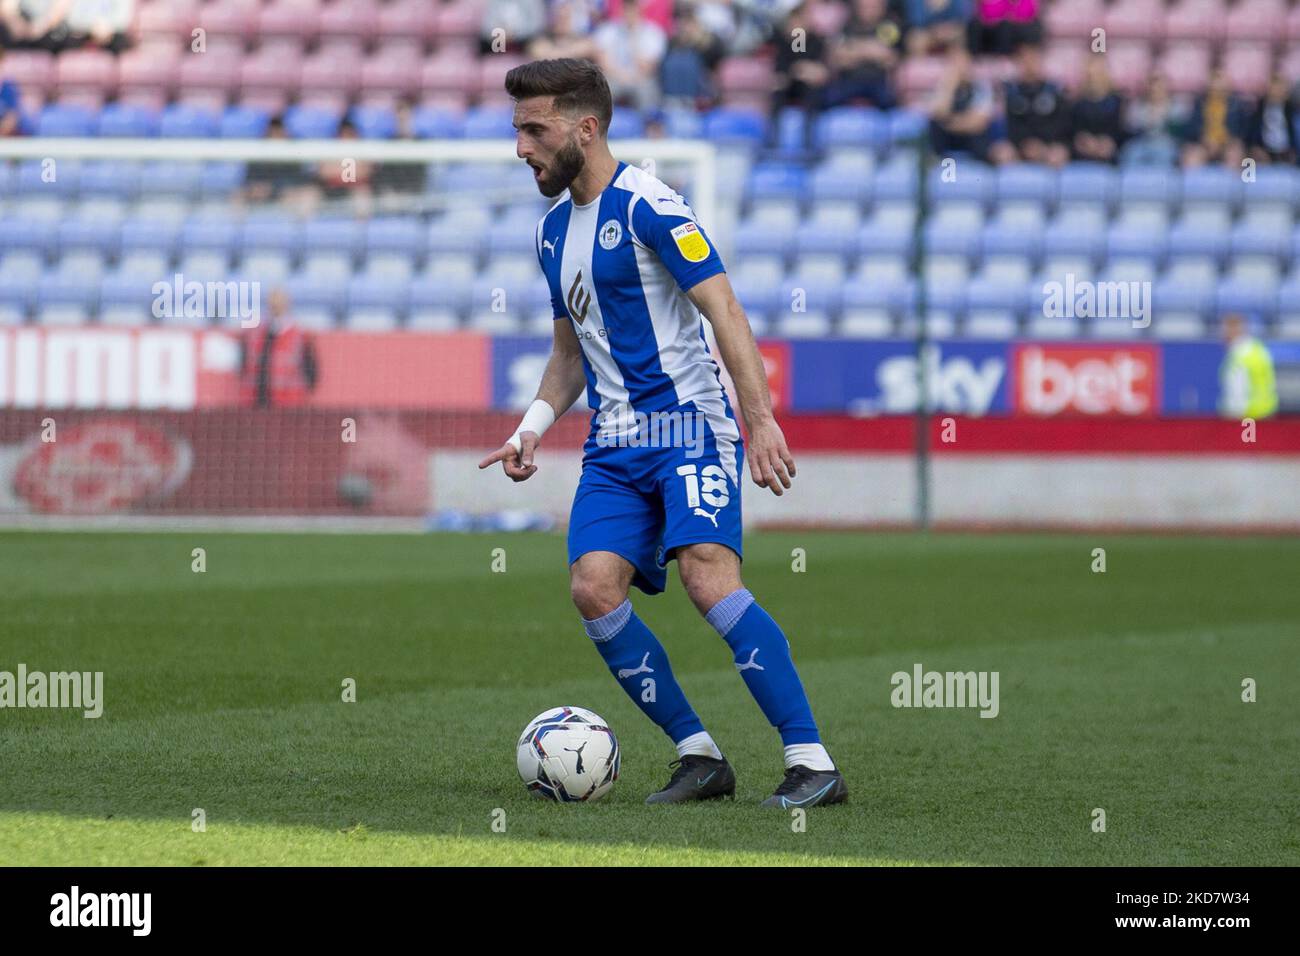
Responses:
[643,668]
[704,514]
[579,751]
[548,244]
[749,665]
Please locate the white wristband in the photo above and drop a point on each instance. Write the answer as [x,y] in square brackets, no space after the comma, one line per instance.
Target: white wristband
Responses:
[539,417]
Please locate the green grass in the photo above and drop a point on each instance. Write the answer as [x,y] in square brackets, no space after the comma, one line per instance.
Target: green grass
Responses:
[223,692]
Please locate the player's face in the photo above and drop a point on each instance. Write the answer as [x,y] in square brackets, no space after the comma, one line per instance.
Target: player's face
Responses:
[548,142]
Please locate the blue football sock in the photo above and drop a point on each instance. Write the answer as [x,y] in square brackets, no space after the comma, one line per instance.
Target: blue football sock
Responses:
[640,665]
[762,656]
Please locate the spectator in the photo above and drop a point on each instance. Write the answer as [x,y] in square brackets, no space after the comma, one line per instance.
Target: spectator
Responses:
[864,57]
[936,24]
[520,20]
[1271,133]
[39,24]
[269,182]
[1097,117]
[631,49]
[347,179]
[999,27]
[397,179]
[686,74]
[1218,126]
[1153,127]
[1248,386]
[1037,115]
[11,117]
[961,113]
[800,73]
[105,23]
[277,360]
[658,12]
[569,34]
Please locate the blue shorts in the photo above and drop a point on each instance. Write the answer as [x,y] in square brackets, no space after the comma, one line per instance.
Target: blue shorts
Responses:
[644,502]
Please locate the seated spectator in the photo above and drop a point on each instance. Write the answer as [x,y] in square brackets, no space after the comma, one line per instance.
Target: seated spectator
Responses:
[269,182]
[1037,115]
[1271,134]
[631,49]
[521,21]
[961,113]
[658,12]
[11,116]
[105,23]
[569,34]
[863,57]
[395,179]
[936,24]
[347,179]
[1218,126]
[1153,126]
[999,27]
[800,73]
[35,24]
[1097,117]
[686,74]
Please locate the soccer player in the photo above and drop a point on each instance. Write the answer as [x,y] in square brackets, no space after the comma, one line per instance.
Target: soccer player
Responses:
[630,270]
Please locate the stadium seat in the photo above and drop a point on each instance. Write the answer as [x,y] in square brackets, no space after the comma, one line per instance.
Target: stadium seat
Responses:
[866,324]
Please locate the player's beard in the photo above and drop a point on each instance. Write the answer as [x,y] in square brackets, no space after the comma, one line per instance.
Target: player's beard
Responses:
[566,166]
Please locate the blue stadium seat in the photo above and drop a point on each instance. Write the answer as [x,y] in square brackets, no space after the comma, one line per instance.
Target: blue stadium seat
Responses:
[1140,241]
[906,125]
[368,292]
[65,120]
[311,122]
[341,235]
[626,124]
[272,232]
[1238,295]
[1212,184]
[1147,184]
[221,178]
[1002,237]
[110,178]
[889,231]
[20,232]
[317,292]
[896,180]
[126,119]
[1273,186]
[1263,238]
[728,126]
[100,235]
[187,122]
[49,178]
[974,182]
[433,294]
[1090,182]
[777,181]
[438,122]
[170,177]
[244,122]
[395,235]
[1023,181]
[374,122]
[854,126]
[489,122]
[840,181]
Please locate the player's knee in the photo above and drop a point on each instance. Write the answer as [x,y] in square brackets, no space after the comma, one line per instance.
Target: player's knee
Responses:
[709,573]
[595,594]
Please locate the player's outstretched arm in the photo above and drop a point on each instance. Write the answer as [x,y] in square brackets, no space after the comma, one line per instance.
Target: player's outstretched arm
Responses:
[770,462]
[562,383]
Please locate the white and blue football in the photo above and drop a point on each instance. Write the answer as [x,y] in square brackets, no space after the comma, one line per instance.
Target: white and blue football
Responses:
[568,754]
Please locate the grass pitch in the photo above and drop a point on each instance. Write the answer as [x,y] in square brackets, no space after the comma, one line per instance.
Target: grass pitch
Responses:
[223,692]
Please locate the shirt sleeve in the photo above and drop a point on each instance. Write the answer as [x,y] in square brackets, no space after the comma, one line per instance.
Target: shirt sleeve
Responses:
[558,311]
[668,226]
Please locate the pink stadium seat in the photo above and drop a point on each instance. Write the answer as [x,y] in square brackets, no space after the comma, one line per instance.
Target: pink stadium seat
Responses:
[392,74]
[460,18]
[745,74]
[335,69]
[1261,20]
[1073,19]
[271,70]
[445,73]
[214,71]
[171,19]
[1064,62]
[1144,19]
[350,18]
[86,99]
[1186,66]
[1248,66]
[234,18]
[298,18]
[88,69]
[149,99]
[326,102]
[446,101]
[153,67]
[32,70]
[271,102]
[404,48]
[1293,25]
[918,76]
[1290,65]
[1195,20]
[492,73]
[408,18]
[1130,65]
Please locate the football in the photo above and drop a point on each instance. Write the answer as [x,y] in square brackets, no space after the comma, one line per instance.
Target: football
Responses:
[568,754]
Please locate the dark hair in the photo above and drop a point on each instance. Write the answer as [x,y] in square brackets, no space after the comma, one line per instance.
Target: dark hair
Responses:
[577,85]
